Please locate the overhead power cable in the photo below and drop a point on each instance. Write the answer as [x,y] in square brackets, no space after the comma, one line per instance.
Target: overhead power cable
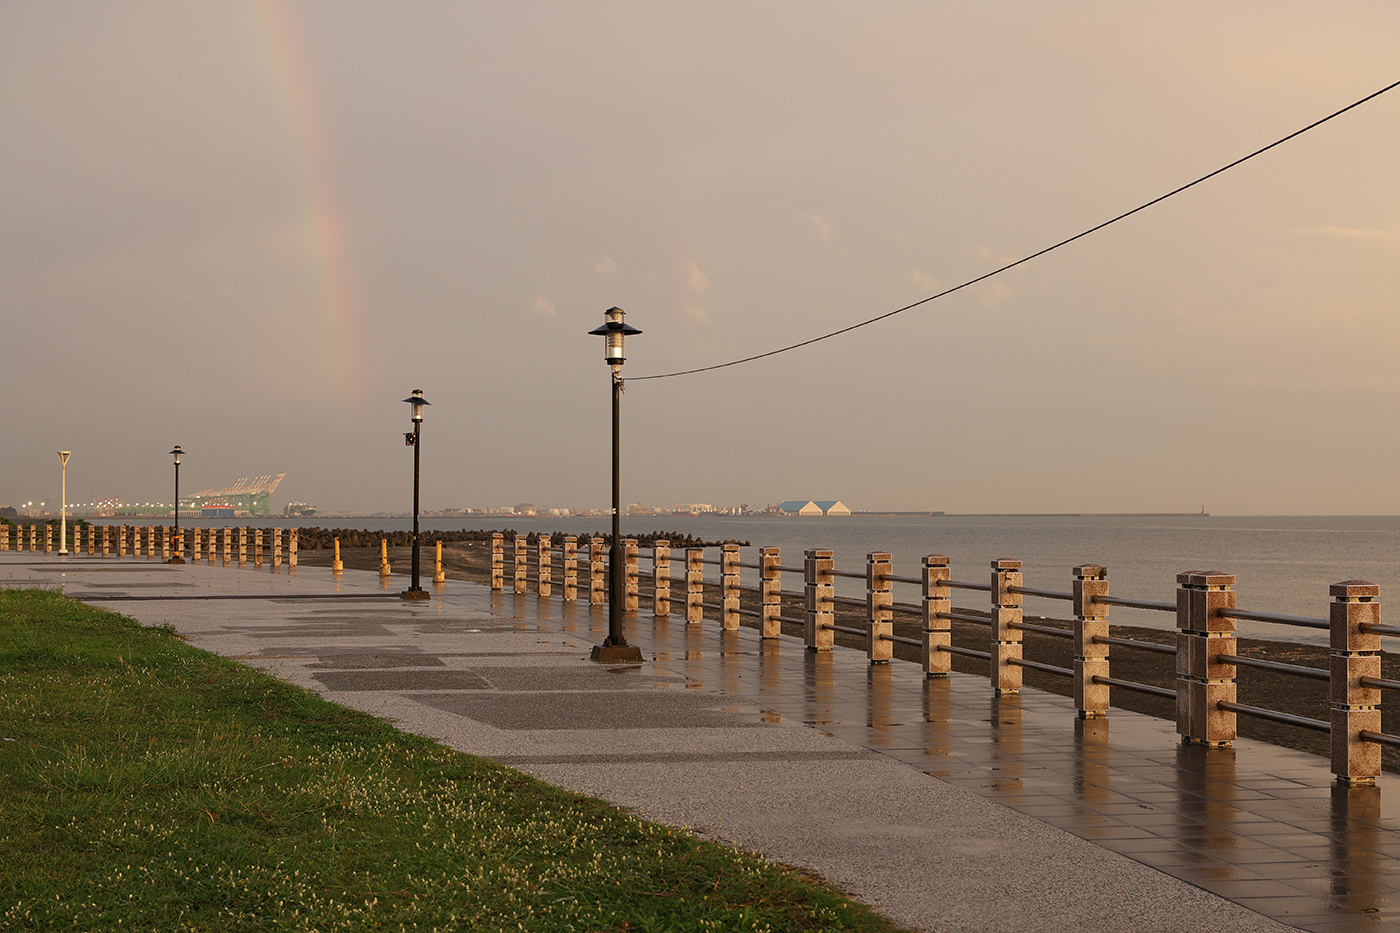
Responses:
[1036,255]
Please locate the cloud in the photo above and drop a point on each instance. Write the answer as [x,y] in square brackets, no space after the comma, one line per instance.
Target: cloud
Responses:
[544,306]
[924,282]
[698,313]
[994,293]
[605,265]
[698,281]
[824,231]
[984,252]
[1351,233]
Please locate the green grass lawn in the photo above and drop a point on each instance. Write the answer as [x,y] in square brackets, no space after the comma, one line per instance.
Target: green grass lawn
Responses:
[148,785]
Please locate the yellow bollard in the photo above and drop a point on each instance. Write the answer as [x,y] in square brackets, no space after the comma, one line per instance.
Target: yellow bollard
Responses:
[336,565]
[438,576]
[383,557]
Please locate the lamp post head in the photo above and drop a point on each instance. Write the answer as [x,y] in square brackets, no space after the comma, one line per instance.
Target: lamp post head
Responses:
[615,328]
[63,456]
[418,402]
[176,453]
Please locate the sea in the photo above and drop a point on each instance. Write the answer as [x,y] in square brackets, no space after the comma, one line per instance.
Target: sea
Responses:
[1282,564]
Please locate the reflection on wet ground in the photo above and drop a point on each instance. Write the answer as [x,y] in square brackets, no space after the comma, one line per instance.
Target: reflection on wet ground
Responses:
[1263,826]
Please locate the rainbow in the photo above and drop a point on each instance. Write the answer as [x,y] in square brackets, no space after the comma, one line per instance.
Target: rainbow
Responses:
[324,224]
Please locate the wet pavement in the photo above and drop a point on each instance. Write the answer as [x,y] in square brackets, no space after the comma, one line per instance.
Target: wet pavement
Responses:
[942,805]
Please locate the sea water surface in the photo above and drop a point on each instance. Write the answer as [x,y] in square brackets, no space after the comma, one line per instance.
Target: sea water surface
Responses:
[1282,564]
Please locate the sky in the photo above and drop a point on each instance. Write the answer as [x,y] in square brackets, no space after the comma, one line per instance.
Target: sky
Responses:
[253,228]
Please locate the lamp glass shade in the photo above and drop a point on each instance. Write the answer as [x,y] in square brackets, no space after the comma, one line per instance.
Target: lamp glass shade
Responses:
[418,403]
[613,353]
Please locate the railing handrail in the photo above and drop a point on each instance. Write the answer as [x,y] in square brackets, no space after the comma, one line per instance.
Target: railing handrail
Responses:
[1352,615]
[1043,629]
[1134,643]
[1149,604]
[1042,594]
[1281,667]
[1275,617]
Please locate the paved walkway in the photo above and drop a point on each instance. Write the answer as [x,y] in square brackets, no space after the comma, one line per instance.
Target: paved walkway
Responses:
[939,804]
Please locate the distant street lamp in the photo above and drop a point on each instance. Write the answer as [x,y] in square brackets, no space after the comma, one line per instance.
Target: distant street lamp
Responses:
[411,438]
[175,535]
[614,648]
[63,456]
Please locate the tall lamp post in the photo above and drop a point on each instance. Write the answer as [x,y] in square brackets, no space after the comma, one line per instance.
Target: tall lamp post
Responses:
[175,534]
[63,456]
[411,439]
[614,648]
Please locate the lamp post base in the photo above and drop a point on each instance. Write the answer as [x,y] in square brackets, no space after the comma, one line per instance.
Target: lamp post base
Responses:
[415,594]
[176,560]
[616,654]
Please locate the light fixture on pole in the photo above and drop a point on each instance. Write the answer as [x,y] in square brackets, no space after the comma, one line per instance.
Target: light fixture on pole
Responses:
[63,456]
[411,438]
[614,649]
[175,535]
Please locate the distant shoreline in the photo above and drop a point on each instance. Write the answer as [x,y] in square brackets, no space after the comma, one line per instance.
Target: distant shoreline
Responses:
[1037,514]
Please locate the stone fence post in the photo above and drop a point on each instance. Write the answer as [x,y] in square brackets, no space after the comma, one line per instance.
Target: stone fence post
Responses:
[196,550]
[522,566]
[661,577]
[879,607]
[630,582]
[1006,637]
[257,547]
[277,547]
[165,543]
[597,572]
[498,562]
[694,585]
[1090,657]
[242,545]
[293,535]
[570,559]
[770,592]
[819,591]
[729,586]
[1356,707]
[1203,635]
[938,628]
[544,564]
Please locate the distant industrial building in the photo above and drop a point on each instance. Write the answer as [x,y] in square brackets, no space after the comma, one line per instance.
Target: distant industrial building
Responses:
[813,507]
[246,497]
